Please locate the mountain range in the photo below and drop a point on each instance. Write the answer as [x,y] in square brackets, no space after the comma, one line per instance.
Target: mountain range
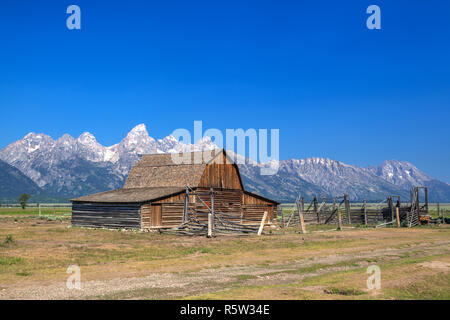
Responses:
[69,167]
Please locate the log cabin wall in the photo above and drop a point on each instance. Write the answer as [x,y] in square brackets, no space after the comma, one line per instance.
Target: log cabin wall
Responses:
[106,215]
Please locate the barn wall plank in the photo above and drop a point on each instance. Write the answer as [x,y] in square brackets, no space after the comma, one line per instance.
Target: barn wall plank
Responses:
[106,215]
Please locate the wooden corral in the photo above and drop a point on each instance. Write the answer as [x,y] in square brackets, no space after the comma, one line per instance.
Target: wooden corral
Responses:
[155,197]
[386,212]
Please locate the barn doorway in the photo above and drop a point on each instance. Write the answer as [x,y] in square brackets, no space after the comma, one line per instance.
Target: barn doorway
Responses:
[156,215]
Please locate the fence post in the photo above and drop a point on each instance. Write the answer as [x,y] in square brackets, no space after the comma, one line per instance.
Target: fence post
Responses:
[261,226]
[324,203]
[209,225]
[334,206]
[300,216]
[398,217]
[339,218]
[212,208]
[39,206]
[418,204]
[408,215]
[185,209]
[347,208]
[391,206]
[316,211]
[365,211]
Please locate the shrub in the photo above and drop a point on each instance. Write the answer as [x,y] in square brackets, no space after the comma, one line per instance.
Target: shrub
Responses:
[9,239]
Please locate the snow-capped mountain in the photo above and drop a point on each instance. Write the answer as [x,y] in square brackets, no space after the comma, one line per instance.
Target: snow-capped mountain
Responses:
[337,178]
[405,175]
[72,167]
[323,177]
[281,186]
[63,166]
[400,173]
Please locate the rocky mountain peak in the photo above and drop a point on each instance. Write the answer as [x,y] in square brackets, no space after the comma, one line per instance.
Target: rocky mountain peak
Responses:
[139,139]
[205,143]
[138,131]
[66,139]
[87,138]
[36,138]
[402,173]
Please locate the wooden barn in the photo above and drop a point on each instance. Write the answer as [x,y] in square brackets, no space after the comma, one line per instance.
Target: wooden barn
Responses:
[155,194]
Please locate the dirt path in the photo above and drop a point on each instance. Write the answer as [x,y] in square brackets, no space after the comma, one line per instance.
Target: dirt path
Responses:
[178,285]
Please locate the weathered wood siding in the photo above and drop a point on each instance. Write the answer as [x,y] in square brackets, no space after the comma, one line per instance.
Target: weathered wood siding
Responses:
[165,215]
[250,199]
[254,207]
[255,212]
[151,216]
[220,174]
[178,198]
[247,209]
[226,201]
[106,215]
[171,212]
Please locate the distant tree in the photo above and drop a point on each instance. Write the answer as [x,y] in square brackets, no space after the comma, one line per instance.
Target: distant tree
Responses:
[23,200]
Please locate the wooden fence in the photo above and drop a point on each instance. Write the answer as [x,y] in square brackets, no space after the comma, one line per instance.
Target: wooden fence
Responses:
[323,212]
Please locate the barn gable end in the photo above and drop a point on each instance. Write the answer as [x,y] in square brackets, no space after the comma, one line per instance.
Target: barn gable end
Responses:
[221,173]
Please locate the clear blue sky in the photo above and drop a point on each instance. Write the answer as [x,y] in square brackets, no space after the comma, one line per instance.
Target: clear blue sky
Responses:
[310,68]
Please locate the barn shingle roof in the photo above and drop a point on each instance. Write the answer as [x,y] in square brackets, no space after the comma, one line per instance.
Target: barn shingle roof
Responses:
[131,195]
[160,170]
[156,176]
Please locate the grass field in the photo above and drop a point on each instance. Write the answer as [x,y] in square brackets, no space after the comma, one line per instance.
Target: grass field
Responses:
[34,211]
[324,264]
